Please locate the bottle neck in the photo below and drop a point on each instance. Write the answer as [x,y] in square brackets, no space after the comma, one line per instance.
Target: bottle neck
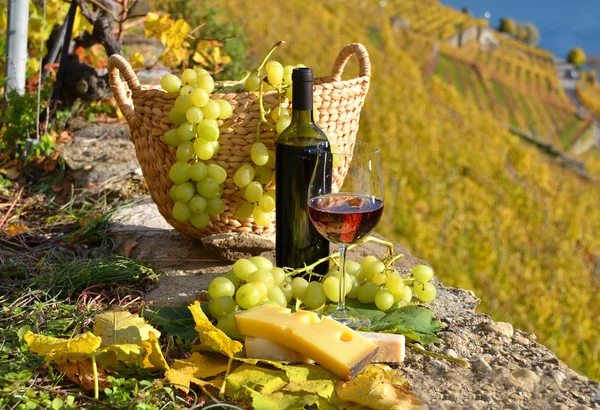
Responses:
[302,116]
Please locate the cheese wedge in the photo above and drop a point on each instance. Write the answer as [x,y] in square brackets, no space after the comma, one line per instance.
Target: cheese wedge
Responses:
[334,346]
[391,349]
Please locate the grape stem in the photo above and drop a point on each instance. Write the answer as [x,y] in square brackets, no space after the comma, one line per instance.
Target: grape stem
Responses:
[457,360]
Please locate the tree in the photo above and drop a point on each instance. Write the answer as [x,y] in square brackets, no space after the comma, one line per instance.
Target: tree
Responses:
[508,25]
[576,56]
[532,34]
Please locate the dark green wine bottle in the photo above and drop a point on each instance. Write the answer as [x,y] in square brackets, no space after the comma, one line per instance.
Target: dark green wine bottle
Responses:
[297,242]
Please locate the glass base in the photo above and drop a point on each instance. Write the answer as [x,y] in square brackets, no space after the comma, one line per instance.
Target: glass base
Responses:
[351,319]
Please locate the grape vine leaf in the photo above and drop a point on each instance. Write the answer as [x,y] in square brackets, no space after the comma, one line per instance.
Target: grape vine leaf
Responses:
[174,321]
[378,387]
[122,327]
[62,351]
[211,338]
[82,373]
[154,358]
[247,378]
[128,353]
[195,368]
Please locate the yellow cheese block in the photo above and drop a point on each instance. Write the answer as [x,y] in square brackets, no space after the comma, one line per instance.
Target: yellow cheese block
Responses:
[391,349]
[334,346]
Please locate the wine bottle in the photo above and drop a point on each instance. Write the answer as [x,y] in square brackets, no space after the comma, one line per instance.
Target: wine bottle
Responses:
[297,242]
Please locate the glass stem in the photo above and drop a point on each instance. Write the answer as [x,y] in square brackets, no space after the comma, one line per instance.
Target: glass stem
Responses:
[341,307]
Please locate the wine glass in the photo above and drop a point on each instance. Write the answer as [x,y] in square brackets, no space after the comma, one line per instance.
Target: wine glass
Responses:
[346,206]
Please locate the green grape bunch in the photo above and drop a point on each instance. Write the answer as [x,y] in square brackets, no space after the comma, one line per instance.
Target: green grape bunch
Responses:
[371,281]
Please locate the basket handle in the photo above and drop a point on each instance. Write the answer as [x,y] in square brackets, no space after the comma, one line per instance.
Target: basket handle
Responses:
[118,65]
[360,52]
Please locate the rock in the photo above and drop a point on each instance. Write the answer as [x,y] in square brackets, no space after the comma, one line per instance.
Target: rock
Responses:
[521,340]
[558,376]
[450,352]
[481,366]
[526,374]
[505,329]
[581,408]
[230,247]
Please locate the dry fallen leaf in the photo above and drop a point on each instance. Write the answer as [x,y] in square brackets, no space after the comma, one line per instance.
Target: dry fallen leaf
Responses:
[82,373]
[15,229]
[211,338]
[154,358]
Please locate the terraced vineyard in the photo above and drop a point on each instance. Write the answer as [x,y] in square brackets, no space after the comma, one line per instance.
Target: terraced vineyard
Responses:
[590,96]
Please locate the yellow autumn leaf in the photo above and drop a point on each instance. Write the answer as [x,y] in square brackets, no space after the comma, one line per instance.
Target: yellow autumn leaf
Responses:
[247,378]
[177,33]
[211,338]
[137,60]
[154,358]
[129,354]
[117,327]
[380,388]
[61,351]
[194,369]
[200,59]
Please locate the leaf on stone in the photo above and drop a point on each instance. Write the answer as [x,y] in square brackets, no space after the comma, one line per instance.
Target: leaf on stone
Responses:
[63,350]
[197,367]
[116,327]
[380,388]
[154,358]
[82,373]
[211,338]
[129,354]
[247,378]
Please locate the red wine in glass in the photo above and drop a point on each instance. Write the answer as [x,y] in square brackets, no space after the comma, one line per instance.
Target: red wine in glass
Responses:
[345,217]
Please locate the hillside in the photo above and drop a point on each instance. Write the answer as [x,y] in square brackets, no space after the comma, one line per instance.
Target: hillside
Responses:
[490,212]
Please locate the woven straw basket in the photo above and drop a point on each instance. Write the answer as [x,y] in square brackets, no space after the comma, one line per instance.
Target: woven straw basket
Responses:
[146,110]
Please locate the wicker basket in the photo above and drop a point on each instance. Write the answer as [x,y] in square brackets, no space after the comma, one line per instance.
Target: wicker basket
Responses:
[146,109]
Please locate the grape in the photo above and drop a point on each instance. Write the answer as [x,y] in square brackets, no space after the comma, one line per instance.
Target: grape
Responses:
[261,218]
[198,171]
[271,161]
[263,290]
[353,293]
[276,295]
[211,110]
[221,286]
[188,76]
[373,268]
[283,123]
[280,111]
[367,260]
[271,193]
[215,206]
[262,263]
[194,115]
[185,151]
[208,187]
[300,66]
[234,279]
[201,71]
[221,306]
[170,83]
[243,267]
[180,172]
[331,287]
[299,286]
[366,294]
[199,97]
[289,93]
[227,90]
[206,82]
[203,149]
[216,172]
[181,211]
[243,176]
[261,275]
[186,131]
[225,109]
[244,210]
[182,103]
[185,90]
[197,204]
[274,72]
[287,74]
[185,191]
[264,175]
[208,130]
[278,276]
[379,278]
[422,273]
[314,296]
[395,284]
[266,203]
[177,117]
[384,299]
[227,325]
[287,290]
[172,192]
[170,138]
[239,88]
[199,220]
[426,292]
[253,191]
[247,296]
[352,268]
[259,153]
[407,294]
[252,82]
